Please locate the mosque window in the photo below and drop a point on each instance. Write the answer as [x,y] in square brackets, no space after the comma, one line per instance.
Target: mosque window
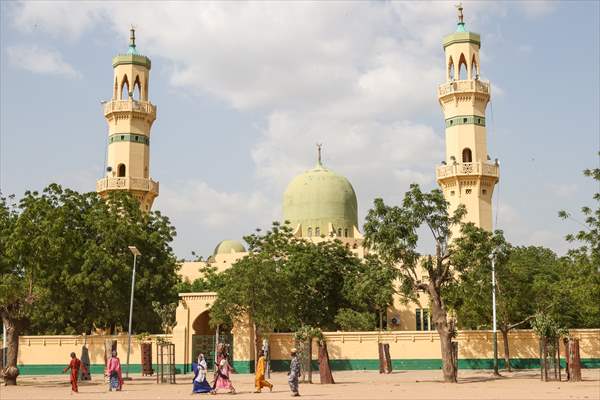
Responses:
[468,191]
[422,319]
[346,232]
[309,232]
[317,231]
[484,191]
[121,170]
[467,155]
[452,193]
[339,232]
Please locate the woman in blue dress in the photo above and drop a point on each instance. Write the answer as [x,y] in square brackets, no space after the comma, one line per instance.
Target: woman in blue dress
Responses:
[200,383]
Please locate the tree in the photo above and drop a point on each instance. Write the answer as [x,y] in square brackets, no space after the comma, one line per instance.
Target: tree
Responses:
[392,232]
[590,234]
[370,289]
[522,274]
[65,266]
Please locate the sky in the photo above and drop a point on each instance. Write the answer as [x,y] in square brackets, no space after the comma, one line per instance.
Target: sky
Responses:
[245,90]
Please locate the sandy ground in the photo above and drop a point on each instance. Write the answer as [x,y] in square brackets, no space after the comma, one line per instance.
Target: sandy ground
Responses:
[349,385]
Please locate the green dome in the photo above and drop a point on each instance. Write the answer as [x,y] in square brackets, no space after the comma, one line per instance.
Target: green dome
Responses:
[317,198]
[229,246]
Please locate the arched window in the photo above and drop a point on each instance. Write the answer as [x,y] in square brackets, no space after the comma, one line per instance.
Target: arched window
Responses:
[339,232]
[462,68]
[466,155]
[474,69]
[309,231]
[451,70]
[317,231]
[346,232]
[124,89]
[121,170]
[137,89]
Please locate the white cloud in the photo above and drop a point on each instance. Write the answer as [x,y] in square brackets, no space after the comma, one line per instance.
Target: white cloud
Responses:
[565,190]
[40,61]
[537,8]
[356,76]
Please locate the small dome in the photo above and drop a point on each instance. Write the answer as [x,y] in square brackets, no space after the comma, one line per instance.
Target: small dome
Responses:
[319,199]
[229,246]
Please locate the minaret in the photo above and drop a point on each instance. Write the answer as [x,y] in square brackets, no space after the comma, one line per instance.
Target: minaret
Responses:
[467,176]
[130,115]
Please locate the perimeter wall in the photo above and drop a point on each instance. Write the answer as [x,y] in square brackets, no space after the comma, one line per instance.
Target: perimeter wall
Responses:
[347,350]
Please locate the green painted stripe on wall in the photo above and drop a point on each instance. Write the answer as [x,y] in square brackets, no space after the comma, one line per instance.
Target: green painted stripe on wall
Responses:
[128,137]
[56,369]
[243,367]
[247,367]
[465,120]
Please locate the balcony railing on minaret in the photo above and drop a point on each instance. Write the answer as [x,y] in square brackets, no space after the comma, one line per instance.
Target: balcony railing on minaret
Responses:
[130,105]
[466,169]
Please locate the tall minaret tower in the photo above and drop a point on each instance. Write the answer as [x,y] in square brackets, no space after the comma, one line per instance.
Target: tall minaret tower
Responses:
[130,115]
[467,176]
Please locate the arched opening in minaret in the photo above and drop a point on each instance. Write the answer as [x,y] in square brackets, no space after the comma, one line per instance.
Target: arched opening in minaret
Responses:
[474,69]
[450,69]
[124,88]
[121,170]
[462,68]
[137,91]
[466,155]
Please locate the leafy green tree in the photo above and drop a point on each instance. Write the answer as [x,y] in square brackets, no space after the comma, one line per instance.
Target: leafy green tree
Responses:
[370,289]
[352,321]
[392,231]
[209,281]
[590,234]
[66,268]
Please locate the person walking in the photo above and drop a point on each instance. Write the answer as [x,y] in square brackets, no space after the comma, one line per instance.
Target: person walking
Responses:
[259,380]
[223,381]
[75,365]
[200,383]
[115,376]
[294,373]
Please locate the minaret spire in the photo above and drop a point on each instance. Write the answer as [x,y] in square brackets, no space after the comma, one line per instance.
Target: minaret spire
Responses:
[319,147]
[132,37]
[459,7]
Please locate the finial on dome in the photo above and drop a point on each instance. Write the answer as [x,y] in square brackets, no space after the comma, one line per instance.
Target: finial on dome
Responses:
[132,36]
[319,146]
[461,21]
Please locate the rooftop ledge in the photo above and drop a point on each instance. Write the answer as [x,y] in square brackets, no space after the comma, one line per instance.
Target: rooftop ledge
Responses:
[462,37]
[135,59]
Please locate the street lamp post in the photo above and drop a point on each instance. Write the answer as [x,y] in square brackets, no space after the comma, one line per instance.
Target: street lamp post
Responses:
[494,330]
[135,253]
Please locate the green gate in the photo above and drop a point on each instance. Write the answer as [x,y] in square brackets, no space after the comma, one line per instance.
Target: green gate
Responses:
[205,344]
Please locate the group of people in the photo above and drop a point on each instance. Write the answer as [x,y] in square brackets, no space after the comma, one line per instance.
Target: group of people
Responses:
[222,380]
[113,372]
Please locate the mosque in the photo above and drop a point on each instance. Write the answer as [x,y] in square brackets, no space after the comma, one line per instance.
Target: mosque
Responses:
[320,204]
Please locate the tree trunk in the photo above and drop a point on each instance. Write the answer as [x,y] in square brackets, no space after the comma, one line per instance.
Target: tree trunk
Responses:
[385,362]
[11,371]
[309,349]
[255,344]
[380,320]
[575,362]
[504,331]
[440,320]
[324,368]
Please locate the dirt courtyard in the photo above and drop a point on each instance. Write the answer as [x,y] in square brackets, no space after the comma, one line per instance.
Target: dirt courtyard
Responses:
[473,384]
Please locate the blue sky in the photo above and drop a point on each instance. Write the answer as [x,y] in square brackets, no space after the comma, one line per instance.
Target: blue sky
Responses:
[245,90]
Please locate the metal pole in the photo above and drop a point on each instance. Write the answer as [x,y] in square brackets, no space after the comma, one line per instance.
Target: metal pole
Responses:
[130,315]
[495,332]
[4,347]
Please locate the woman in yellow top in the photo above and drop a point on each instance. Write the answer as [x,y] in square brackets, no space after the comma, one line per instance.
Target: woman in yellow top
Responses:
[260,381]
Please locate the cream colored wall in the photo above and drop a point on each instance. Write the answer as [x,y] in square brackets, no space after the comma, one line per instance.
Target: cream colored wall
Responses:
[341,346]
[56,349]
[426,345]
